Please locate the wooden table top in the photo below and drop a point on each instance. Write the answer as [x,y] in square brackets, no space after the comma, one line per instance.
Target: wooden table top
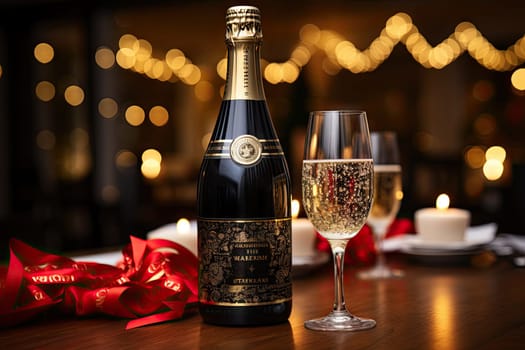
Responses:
[432,307]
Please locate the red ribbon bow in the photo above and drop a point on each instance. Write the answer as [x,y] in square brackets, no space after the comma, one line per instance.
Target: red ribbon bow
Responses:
[155,282]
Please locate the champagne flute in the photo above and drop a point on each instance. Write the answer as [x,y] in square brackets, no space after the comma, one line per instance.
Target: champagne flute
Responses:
[387,198]
[337,181]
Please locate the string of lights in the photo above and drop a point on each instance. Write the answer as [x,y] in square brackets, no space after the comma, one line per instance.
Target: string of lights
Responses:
[135,54]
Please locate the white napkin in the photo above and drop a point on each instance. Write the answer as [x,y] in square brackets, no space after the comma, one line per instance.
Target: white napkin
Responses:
[506,244]
[108,258]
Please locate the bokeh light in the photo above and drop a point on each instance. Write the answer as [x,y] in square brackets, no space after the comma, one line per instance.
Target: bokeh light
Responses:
[135,115]
[475,157]
[485,124]
[45,91]
[158,115]
[74,95]
[518,79]
[104,57]
[497,153]
[204,91]
[108,107]
[44,53]
[493,169]
[125,159]
[46,140]
[483,90]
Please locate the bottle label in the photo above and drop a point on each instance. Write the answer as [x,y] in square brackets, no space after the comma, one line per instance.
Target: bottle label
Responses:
[245,150]
[245,262]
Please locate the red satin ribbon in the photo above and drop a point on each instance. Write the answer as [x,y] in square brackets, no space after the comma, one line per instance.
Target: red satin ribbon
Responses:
[155,282]
[361,248]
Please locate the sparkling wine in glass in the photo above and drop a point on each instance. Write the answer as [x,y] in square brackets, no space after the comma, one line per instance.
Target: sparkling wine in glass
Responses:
[337,185]
[387,198]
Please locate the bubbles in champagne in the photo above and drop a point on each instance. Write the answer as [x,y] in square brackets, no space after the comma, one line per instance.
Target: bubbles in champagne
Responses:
[337,195]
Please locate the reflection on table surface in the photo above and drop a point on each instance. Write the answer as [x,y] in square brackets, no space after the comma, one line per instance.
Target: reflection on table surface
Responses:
[432,307]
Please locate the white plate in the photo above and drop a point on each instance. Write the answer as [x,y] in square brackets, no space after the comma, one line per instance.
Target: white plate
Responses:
[441,252]
[420,244]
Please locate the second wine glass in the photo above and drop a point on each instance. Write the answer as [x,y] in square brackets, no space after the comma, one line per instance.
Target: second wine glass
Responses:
[387,198]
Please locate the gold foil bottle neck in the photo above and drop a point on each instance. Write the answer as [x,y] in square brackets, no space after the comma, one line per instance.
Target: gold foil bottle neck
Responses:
[243,22]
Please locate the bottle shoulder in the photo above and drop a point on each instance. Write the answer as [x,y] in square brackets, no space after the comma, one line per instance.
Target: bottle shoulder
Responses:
[244,117]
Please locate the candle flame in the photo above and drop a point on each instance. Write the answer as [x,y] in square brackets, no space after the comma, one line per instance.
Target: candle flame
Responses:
[183,225]
[295,208]
[442,201]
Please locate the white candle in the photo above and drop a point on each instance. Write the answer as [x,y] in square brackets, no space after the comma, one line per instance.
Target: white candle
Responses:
[303,233]
[186,234]
[442,223]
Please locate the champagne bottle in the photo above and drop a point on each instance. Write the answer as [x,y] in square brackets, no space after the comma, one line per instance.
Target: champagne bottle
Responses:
[244,197]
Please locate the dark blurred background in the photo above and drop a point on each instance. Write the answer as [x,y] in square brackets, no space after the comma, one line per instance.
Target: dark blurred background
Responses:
[105,106]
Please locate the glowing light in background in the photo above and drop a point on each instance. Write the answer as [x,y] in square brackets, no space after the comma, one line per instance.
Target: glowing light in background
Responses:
[137,55]
[222,68]
[74,95]
[110,194]
[151,153]
[127,41]
[496,152]
[190,74]
[151,163]
[125,58]
[475,157]
[493,169]
[483,90]
[158,115]
[340,53]
[45,91]
[175,59]
[46,140]
[104,57]
[108,107]
[79,138]
[204,91]
[75,162]
[125,159]
[135,115]
[44,53]
[485,124]
[518,79]
[150,169]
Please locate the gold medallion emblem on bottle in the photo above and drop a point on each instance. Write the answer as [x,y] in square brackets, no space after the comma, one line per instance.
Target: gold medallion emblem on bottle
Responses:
[246,150]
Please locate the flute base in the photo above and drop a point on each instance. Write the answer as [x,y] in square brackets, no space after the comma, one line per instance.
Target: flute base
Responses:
[340,321]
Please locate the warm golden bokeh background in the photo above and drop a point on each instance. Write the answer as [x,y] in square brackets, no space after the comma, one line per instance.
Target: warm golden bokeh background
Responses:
[105,108]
